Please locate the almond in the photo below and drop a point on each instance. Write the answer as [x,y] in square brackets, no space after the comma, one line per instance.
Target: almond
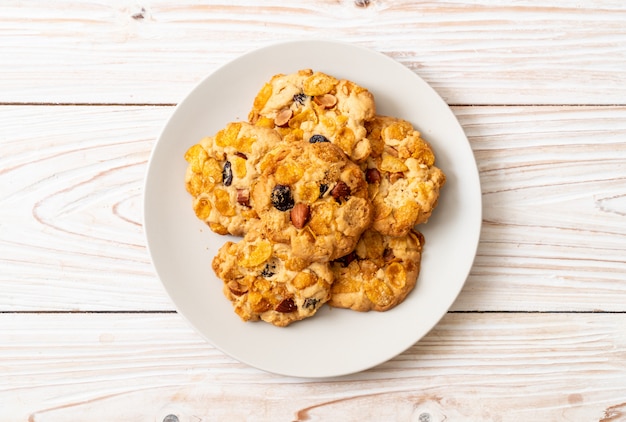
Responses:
[243,197]
[236,288]
[346,259]
[286,305]
[300,214]
[372,175]
[283,116]
[326,100]
[388,255]
[341,191]
[391,151]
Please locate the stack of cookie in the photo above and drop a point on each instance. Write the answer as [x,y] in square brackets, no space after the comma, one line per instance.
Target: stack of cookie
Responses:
[325,194]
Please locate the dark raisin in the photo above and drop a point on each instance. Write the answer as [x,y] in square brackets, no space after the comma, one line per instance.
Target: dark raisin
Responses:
[300,98]
[323,189]
[268,270]
[311,302]
[346,259]
[286,306]
[241,155]
[318,138]
[227,174]
[281,198]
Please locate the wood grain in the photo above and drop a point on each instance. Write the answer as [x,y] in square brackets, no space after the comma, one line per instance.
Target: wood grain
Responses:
[487,367]
[88,333]
[554,195]
[554,198]
[155,51]
[71,233]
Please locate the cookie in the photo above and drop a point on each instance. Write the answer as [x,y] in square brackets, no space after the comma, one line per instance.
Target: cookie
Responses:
[404,183]
[264,281]
[220,172]
[304,104]
[314,198]
[379,273]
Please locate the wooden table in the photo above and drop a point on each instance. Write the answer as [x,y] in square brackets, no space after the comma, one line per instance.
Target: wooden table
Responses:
[88,333]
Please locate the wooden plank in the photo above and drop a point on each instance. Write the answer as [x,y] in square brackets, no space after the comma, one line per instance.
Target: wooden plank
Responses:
[471,52]
[553,193]
[554,203]
[487,367]
[71,185]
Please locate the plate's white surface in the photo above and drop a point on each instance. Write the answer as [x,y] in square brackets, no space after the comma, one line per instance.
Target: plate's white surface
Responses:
[335,341]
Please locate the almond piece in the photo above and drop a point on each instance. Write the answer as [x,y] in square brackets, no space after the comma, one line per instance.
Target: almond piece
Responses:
[326,100]
[236,288]
[394,177]
[391,151]
[346,259]
[283,116]
[372,175]
[300,214]
[243,197]
[286,305]
[341,191]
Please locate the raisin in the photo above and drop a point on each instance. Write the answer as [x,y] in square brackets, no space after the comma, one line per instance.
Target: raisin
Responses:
[318,138]
[281,198]
[241,155]
[300,98]
[227,174]
[323,189]
[311,302]
[268,270]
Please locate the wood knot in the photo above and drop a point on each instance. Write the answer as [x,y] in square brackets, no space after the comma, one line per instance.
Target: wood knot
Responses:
[362,3]
[424,417]
[139,15]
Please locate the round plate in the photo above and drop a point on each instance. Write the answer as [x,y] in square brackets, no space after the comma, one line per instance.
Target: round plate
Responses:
[335,341]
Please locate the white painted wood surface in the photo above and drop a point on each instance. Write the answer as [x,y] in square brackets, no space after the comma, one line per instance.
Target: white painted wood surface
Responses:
[471,52]
[88,333]
[471,367]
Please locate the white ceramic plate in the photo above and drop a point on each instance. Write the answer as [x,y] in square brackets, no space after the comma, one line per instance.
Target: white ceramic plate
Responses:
[335,341]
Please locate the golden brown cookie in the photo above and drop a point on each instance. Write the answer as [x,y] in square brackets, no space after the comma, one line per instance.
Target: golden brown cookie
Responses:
[404,183]
[312,197]
[220,172]
[379,273]
[265,281]
[305,104]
